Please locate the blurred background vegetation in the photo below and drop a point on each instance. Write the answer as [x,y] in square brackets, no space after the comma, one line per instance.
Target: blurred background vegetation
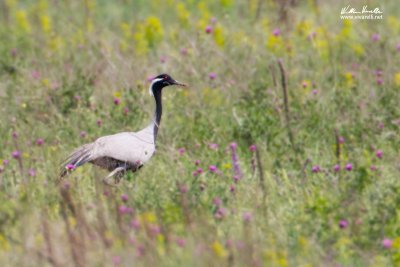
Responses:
[284,151]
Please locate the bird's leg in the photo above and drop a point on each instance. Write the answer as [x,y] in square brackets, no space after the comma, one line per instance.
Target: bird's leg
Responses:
[118,176]
[114,172]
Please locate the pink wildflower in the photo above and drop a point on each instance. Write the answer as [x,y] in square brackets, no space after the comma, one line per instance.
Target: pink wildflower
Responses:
[387,243]
[212,168]
[343,224]
[349,167]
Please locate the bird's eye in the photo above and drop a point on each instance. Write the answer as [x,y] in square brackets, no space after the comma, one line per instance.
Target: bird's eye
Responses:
[165,77]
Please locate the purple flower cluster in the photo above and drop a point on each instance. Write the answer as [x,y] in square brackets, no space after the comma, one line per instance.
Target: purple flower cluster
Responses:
[213,168]
[236,168]
[70,167]
[247,217]
[16,154]
[220,213]
[315,169]
[125,210]
[39,141]
[343,224]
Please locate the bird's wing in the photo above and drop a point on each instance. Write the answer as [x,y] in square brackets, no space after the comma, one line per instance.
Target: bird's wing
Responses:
[135,148]
[77,158]
[126,147]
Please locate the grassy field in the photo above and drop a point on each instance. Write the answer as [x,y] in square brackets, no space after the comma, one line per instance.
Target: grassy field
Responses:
[283,151]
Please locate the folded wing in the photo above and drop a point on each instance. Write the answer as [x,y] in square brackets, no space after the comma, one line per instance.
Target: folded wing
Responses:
[128,147]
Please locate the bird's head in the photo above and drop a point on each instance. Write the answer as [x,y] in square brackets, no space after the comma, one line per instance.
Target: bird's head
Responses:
[161,81]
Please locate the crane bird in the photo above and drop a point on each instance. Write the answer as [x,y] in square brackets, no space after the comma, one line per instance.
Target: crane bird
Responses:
[126,151]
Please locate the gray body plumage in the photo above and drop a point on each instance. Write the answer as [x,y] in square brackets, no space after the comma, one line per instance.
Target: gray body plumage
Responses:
[129,150]
[126,151]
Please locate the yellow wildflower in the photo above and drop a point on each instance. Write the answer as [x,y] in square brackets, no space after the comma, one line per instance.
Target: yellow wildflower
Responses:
[202,7]
[4,243]
[56,43]
[160,244]
[153,30]
[11,3]
[218,36]
[347,26]
[22,21]
[226,166]
[303,242]
[204,15]
[396,243]
[219,250]
[226,3]
[126,30]
[171,3]
[90,4]
[358,49]
[72,221]
[379,261]
[42,7]
[148,217]
[38,240]
[322,46]
[252,6]
[303,27]
[282,262]
[275,44]
[394,24]
[349,79]
[141,45]
[118,244]
[276,258]
[397,79]
[46,82]
[117,94]
[45,21]
[148,34]
[89,25]
[183,14]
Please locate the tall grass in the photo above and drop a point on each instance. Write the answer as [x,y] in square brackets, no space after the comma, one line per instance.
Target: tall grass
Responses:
[284,151]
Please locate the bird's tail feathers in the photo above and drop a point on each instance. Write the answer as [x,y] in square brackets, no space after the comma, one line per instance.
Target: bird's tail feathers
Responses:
[77,158]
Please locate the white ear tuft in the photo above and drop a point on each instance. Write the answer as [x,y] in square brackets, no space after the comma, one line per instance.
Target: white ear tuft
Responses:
[152,83]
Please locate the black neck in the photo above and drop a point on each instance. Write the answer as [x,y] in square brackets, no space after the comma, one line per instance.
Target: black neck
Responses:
[158,111]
